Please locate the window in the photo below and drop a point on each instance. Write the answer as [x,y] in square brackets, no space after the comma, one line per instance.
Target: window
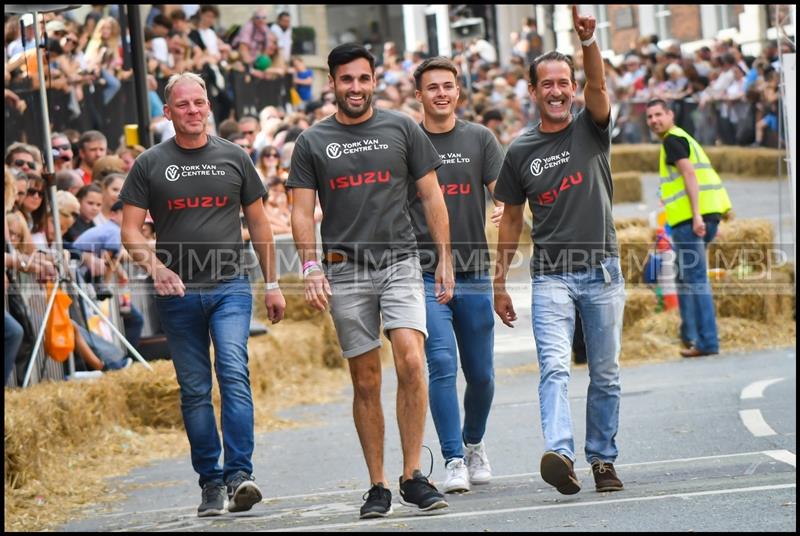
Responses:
[663,21]
[726,17]
[603,29]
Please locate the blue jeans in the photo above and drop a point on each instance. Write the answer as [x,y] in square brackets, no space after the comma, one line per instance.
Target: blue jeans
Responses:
[112,356]
[467,320]
[599,295]
[134,323]
[698,315]
[13,334]
[223,312]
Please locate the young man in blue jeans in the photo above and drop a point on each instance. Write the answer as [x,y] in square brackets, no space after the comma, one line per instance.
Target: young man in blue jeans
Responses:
[471,160]
[561,167]
[194,186]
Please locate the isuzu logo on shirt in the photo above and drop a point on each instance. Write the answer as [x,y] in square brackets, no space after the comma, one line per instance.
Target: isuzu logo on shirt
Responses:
[335,150]
[539,165]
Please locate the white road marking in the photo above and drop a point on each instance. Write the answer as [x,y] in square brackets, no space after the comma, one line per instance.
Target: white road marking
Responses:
[783,456]
[483,513]
[272,500]
[756,389]
[754,421]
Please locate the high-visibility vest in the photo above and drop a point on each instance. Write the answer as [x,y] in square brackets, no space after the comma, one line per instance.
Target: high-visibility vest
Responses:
[713,198]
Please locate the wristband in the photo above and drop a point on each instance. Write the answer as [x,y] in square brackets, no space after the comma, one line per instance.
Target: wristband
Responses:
[307,264]
[313,267]
[589,41]
[272,285]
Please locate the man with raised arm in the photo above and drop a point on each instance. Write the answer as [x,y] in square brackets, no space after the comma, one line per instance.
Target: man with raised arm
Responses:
[561,168]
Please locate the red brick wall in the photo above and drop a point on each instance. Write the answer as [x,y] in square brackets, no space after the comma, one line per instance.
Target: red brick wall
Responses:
[623,39]
[685,21]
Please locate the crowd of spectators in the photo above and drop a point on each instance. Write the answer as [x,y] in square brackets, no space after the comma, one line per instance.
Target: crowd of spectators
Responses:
[718,94]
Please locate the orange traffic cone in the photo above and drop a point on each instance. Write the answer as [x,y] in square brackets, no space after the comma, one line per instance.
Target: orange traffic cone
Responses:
[666,276]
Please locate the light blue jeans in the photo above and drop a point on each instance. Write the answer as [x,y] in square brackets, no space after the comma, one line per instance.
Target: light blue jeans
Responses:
[221,314]
[467,320]
[599,295]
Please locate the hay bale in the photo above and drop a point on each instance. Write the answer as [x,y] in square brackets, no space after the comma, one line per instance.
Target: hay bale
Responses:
[624,223]
[627,187]
[634,245]
[641,157]
[639,303]
[746,242]
[656,336]
[765,296]
[153,400]
[293,289]
[750,162]
[64,415]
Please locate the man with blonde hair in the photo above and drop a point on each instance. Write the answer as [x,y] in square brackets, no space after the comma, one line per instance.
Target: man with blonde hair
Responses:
[194,186]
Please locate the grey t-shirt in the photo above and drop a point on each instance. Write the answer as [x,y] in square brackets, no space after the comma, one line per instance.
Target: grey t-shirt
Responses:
[471,158]
[194,197]
[566,178]
[362,173]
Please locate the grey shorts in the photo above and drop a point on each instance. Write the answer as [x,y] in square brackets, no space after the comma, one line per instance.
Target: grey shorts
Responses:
[363,295]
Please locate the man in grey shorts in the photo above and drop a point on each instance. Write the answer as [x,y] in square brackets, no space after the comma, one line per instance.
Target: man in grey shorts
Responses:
[362,161]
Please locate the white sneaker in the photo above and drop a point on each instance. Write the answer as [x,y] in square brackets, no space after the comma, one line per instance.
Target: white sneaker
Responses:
[480,472]
[456,476]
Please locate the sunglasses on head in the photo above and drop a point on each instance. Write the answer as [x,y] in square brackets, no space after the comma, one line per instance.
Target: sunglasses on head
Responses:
[33,192]
[20,163]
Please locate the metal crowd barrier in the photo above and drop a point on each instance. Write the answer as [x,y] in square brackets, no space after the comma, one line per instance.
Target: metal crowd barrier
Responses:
[140,290]
[34,295]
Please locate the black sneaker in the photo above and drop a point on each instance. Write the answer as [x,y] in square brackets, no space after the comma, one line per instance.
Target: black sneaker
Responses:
[378,502]
[417,491]
[213,500]
[243,492]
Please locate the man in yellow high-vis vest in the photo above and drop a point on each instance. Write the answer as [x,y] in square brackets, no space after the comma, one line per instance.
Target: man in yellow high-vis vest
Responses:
[694,201]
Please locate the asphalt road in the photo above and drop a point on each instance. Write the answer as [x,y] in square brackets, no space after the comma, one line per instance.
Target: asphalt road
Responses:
[705,445]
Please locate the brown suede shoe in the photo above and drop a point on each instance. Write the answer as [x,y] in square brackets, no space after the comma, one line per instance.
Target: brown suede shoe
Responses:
[694,352]
[605,477]
[557,471]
